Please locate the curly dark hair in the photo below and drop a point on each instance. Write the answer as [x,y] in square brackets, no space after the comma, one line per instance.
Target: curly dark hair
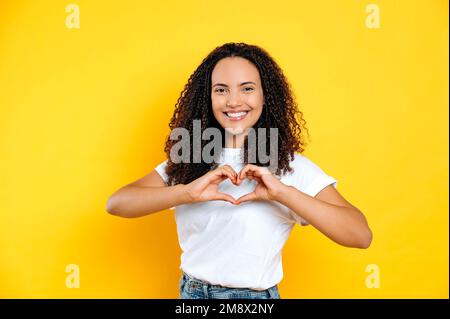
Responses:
[279,111]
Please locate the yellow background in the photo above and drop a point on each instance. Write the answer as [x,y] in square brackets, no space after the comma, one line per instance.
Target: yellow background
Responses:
[86,111]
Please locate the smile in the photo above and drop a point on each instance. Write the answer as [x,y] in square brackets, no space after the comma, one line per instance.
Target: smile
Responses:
[236,116]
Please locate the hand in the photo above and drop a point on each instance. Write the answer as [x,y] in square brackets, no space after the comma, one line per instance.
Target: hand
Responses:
[205,188]
[268,186]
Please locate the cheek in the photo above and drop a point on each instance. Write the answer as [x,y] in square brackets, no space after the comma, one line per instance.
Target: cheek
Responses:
[217,103]
[217,107]
[256,102]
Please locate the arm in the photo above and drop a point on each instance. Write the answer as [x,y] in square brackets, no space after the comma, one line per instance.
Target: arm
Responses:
[145,196]
[150,194]
[331,214]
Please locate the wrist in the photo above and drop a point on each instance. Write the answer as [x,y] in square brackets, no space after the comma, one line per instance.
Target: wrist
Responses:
[283,194]
[185,195]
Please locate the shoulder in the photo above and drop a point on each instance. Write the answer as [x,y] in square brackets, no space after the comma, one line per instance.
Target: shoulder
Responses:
[307,175]
[304,163]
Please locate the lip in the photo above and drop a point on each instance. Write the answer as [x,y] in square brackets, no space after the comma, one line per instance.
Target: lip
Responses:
[239,118]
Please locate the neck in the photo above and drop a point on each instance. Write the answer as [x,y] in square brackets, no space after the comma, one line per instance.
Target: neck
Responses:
[235,141]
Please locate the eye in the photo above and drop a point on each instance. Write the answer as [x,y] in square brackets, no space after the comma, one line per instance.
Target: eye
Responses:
[250,89]
[219,90]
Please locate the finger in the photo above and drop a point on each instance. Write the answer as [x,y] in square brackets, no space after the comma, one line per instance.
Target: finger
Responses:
[232,176]
[232,172]
[243,173]
[225,172]
[256,171]
[264,171]
[226,197]
[259,180]
[218,178]
[228,167]
[249,172]
[247,197]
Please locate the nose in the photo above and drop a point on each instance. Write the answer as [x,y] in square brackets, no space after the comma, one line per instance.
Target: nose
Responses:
[234,99]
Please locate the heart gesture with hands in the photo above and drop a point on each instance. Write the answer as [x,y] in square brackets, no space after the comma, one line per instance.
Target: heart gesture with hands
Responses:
[206,187]
[268,186]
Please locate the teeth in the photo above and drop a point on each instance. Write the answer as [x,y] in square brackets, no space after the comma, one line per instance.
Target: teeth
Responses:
[236,114]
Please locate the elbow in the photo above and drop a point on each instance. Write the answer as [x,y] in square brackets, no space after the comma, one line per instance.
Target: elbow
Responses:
[366,240]
[359,236]
[365,234]
[112,207]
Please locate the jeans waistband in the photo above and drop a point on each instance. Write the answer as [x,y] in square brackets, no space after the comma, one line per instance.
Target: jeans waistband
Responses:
[202,282]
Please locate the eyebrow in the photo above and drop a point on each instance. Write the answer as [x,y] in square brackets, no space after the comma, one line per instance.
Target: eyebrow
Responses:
[243,83]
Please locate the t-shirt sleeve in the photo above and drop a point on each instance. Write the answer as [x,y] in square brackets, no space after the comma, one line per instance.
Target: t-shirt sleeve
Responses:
[161,170]
[310,179]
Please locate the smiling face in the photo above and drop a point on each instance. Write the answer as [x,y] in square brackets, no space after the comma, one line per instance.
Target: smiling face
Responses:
[237,97]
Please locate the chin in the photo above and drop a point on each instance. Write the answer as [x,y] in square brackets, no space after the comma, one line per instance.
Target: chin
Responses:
[234,130]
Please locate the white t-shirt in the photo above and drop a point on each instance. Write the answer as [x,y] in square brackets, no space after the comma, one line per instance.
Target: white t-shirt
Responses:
[240,246]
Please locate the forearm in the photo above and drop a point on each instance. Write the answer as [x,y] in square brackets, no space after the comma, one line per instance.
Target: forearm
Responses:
[135,201]
[346,226]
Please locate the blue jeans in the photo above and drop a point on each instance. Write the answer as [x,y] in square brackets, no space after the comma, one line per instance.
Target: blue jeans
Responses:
[192,288]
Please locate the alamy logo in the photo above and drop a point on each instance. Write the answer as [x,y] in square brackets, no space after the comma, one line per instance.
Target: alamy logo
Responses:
[181,151]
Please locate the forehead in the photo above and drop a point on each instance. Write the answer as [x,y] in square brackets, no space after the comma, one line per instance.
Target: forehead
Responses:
[234,69]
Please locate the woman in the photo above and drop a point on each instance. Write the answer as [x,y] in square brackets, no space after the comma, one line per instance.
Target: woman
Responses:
[234,215]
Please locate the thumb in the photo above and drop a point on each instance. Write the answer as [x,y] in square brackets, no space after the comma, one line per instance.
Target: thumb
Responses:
[247,197]
[226,197]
